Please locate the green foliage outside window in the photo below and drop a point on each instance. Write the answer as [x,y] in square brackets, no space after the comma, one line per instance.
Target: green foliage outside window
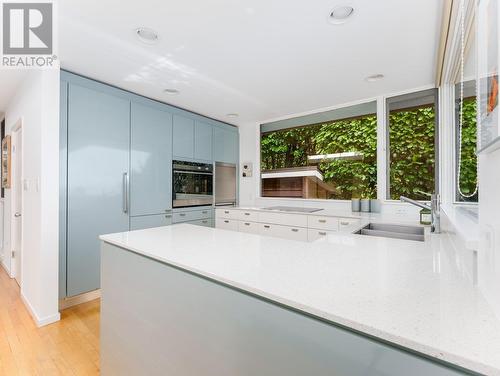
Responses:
[412,153]
[468,171]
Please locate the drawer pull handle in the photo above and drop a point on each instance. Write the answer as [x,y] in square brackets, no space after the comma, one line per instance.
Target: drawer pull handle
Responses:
[168,216]
[182,214]
[247,213]
[344,223]
[322,233]
[295,229]
[226,221]
[247,224]
[204,212]
[226,212]
[168,210]
[267,226]
[204,221]
[322,220]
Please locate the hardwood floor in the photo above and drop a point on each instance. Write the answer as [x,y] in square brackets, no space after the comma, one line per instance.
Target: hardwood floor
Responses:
[68,347]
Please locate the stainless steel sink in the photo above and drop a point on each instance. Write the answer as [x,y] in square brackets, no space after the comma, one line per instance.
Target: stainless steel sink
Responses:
[386,230]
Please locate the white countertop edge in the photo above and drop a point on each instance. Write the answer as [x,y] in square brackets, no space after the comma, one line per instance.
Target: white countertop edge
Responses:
[342,321]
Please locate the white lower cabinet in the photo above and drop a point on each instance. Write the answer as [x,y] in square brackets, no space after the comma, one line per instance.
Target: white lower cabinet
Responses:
[226,224]
[249,227]
[281,225]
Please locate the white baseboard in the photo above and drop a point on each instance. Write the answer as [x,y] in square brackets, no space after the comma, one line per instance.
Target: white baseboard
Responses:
[6,269]
[79,299]
[40,321]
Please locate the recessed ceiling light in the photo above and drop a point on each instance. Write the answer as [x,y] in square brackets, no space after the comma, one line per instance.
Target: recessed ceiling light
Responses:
[340,14]
[171,91]
[146,35]
[375,77]
[232,115]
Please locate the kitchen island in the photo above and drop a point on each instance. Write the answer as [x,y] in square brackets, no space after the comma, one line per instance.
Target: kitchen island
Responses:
[188,300]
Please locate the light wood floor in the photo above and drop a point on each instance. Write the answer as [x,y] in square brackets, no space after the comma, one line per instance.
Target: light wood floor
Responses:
[68,347]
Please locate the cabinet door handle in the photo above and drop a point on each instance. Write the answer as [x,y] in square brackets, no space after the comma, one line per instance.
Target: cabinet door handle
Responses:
[322,233]
[247,224]
[182,214]
[247,213]
[125,192]
[168,216]
[168,210]
[204,221]
[344,223]
[226,221]
[267,226]
[295,229]
[322,220]
[204,212]
[226,212]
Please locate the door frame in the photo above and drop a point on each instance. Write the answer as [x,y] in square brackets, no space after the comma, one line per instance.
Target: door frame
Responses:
[17,137]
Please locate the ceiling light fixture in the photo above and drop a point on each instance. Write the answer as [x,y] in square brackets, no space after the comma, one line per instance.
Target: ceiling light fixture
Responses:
[171,91]
[374,77]
[232,115]
[340,14]
[145,35]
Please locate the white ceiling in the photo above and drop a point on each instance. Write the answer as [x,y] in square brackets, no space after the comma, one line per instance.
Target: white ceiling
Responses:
[10,80]
[262,59]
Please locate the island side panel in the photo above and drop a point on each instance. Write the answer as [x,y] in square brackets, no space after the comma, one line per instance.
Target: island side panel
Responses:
[159,320]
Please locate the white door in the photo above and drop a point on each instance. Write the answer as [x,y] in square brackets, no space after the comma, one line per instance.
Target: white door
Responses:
[17,153]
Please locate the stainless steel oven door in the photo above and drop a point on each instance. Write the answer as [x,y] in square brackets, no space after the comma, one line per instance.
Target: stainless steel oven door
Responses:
[192,188]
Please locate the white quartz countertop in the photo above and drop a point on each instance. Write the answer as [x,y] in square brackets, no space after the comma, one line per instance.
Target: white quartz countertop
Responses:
[412,294]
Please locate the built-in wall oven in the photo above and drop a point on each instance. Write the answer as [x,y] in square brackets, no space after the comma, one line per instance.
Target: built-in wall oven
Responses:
[192,184]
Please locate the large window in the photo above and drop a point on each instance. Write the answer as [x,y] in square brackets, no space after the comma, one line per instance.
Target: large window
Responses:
[411,149]
[323,156]
[466,142]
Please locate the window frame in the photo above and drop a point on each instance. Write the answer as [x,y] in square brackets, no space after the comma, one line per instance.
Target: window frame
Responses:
[382,147]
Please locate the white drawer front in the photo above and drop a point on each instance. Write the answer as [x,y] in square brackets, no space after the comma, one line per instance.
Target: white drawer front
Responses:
[286,232]
[248,215]
[315,234]
[283,219]
[323,223]
[226,224]
[249,227]
[227,213]
[344,222]
[293,233]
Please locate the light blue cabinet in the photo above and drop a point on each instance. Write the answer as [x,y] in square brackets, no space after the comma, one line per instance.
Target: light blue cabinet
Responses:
[116,151]
[98,161]
[183,142]
[225,145]
[150,160]
[149,221]
[202,141]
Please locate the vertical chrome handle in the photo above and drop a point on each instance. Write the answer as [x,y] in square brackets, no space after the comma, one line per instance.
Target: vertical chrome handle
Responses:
[125,192]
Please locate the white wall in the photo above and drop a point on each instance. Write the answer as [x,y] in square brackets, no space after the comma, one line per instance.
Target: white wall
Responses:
[36,104]
[489,222]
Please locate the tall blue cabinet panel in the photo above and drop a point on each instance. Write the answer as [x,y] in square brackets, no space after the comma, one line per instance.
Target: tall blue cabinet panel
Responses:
[225,145]
[98,160]
[202,141]
[183,143]
[150,160]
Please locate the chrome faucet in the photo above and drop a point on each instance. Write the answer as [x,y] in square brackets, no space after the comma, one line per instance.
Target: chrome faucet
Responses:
[434,207]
